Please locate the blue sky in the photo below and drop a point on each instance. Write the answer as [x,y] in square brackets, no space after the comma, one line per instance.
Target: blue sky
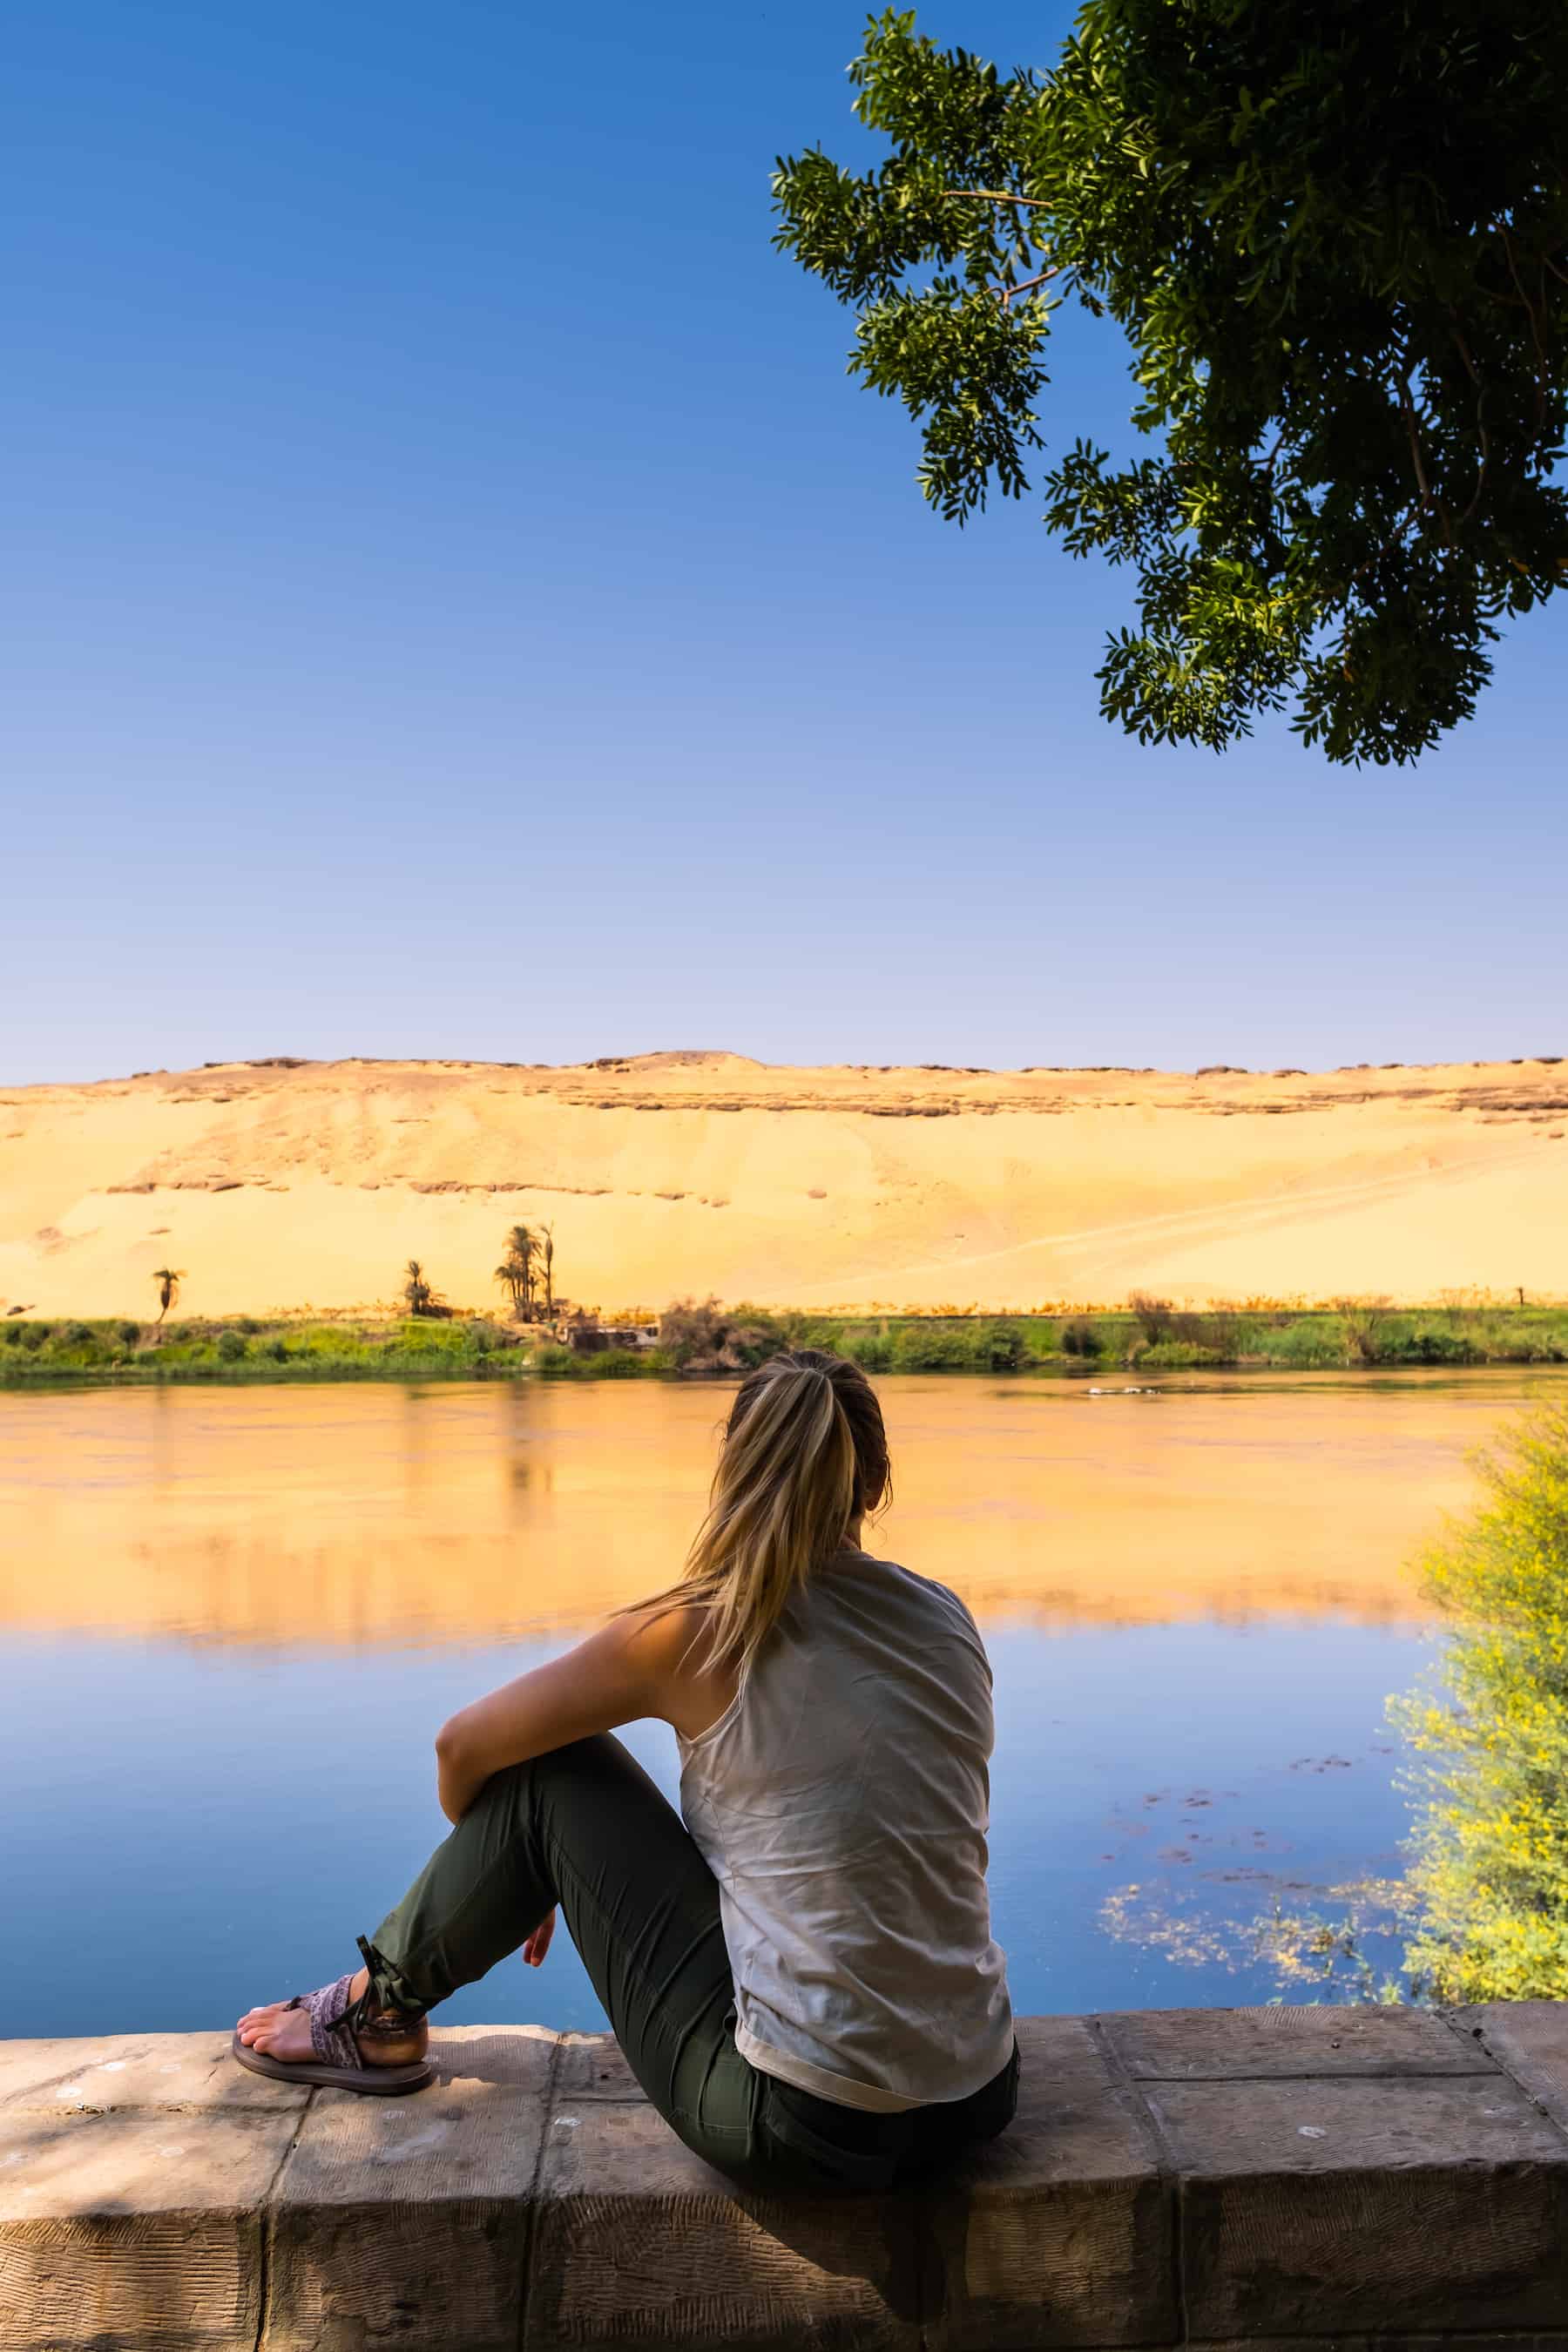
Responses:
[454,604]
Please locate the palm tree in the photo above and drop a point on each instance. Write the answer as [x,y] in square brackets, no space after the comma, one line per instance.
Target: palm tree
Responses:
[521,1249]
[509,1273]
[417,1290]
[168,1279]
[547,1253]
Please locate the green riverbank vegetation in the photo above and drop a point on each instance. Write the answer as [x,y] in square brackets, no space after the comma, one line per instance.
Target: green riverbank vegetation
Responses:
[247,1348]
[1489,1735]
[697,1338]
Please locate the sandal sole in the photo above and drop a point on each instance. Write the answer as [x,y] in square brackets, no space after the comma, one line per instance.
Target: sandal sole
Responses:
[369,2082]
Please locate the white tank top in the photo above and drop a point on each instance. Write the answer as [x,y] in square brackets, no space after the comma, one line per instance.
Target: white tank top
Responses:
[842,1801]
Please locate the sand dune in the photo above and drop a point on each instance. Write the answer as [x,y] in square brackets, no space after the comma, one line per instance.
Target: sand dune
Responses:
[278,1184]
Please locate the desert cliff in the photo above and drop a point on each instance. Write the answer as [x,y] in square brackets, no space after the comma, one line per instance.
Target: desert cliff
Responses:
[276,1184]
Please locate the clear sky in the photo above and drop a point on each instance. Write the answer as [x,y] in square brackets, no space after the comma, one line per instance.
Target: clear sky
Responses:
[452,602]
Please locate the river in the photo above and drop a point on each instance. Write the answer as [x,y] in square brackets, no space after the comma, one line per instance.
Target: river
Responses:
[233,1619]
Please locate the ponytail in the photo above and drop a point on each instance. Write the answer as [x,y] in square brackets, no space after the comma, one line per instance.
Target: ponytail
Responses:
[804,1455]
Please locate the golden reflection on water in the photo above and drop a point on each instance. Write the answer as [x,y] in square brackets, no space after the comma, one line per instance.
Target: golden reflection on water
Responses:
[371,1514]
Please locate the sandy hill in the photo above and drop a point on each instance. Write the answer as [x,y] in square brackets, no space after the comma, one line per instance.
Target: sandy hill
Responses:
[279,1183]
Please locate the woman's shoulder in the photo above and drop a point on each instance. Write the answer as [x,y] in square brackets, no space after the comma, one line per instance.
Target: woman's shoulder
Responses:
[675,1639]
[921,1590]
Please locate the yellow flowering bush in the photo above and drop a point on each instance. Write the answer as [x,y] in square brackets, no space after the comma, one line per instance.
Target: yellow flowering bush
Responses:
[1491,1734]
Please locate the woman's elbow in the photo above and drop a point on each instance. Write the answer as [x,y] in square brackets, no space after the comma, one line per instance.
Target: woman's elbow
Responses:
[451,1742]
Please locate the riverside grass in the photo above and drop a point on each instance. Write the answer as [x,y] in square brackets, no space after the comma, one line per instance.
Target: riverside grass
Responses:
[1148,1338]
[1489,1876]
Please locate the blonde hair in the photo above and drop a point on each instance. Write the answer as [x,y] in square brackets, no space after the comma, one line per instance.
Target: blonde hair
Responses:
[804,1455]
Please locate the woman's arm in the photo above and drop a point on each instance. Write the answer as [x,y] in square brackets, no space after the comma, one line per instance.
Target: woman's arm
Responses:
[633,1666]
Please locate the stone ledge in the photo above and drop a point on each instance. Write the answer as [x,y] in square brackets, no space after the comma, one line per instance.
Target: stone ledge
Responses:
[1305,2179]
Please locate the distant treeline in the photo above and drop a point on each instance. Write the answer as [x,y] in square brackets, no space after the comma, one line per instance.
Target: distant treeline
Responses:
[699,1338]
[1148,1335]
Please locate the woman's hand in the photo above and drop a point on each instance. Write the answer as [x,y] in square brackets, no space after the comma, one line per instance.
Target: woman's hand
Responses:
[538,1944]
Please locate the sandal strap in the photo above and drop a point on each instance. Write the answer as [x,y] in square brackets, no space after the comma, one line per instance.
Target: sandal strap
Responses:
[336,2021]
[391,2021]
[332,2037]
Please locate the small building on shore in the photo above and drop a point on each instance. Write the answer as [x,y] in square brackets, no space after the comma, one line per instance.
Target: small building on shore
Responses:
[585,1335]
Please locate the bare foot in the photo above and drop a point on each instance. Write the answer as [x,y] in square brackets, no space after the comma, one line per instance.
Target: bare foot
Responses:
[284,2032]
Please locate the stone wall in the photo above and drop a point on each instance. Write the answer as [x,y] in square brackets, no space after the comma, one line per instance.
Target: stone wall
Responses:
[1302,2179]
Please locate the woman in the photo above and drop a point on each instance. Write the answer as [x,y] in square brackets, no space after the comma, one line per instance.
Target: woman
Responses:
[801,1974]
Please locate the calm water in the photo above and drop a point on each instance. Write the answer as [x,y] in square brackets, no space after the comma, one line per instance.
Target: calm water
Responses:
[233,1619]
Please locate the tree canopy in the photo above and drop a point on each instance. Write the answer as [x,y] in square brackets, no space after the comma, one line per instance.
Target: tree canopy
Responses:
[1335,233]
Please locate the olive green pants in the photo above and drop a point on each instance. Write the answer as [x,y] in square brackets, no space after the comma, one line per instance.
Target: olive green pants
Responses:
[585,1827]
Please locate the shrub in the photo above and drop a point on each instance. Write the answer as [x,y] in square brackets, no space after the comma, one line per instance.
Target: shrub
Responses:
[35,1334]
[793,1328]
[552,1359]
[702,1336]
[613,1364]
[872,1351]
[231,1346]
[1175,1356]
[1363,1320]
[249,1326]
[930,1348]
[1221,1336]
[1003,1347]
[76,1335]
[277,1350]
[1490,1867]
[129,1332]
[1080,1337]
[1428,1345]
[1307,1344]
[1177,1337]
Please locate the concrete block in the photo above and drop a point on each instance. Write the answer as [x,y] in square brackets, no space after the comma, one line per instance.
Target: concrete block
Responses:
[134,2231]
[1530,2038]
[1550,2340]
[1394,2205]
[637,2241]
[590,2066]
[405,2220]
[1221,2044]
[1061,2232]
[110,2071]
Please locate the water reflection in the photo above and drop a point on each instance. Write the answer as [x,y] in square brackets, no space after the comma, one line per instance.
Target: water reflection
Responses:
[219,1605]
[369,1514]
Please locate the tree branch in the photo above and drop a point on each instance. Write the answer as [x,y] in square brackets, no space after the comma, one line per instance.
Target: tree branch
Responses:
[1408,403]
[1407,410]
[1471,371]
[1543,367]
[1000,196]
[1006,293]
[1389,544]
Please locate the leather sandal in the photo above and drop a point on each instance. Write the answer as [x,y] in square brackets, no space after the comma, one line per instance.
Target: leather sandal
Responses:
[336,2062]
